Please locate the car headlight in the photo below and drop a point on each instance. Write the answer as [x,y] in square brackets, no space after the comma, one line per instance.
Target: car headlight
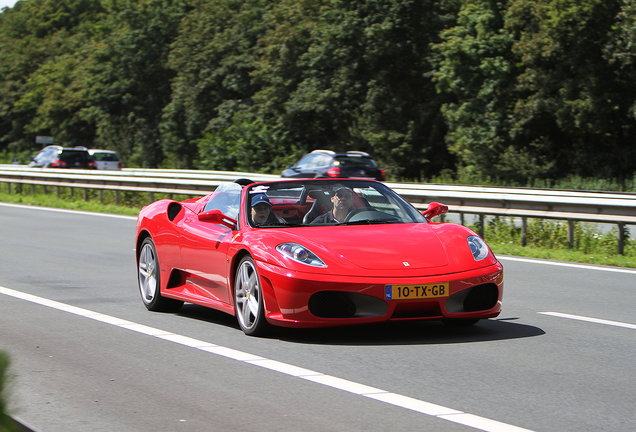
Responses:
[478,247]
[300,254]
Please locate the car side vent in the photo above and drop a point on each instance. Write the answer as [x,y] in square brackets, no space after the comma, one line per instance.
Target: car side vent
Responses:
[331,304]
[481,297]
[173,210]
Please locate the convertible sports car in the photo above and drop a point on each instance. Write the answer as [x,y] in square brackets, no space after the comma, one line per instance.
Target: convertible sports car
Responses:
[314,253]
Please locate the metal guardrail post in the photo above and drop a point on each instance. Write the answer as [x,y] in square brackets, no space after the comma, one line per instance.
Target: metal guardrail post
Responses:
[524,230]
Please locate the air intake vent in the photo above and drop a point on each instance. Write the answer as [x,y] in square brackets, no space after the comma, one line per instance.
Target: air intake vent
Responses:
[331,304]
[173,210]
[481,297]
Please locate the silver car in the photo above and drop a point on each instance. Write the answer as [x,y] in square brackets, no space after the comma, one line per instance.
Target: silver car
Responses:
[106,159]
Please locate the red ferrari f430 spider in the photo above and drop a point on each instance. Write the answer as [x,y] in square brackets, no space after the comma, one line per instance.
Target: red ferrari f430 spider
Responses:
[314,253]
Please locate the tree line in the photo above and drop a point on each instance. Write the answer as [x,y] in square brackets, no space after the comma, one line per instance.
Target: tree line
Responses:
[510,89]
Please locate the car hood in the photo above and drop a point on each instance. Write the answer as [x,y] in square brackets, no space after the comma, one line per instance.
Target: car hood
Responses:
[378,247]
[389,247]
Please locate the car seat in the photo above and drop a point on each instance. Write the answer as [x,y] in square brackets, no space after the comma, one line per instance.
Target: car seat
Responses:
[322,204]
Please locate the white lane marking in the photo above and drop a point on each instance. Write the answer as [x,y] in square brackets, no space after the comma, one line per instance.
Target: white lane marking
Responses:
[592,320]
[86,213]
[380,395]
[481,423]
[564,264]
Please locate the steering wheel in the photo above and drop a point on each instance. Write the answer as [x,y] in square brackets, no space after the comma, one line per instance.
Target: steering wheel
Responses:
[362,213]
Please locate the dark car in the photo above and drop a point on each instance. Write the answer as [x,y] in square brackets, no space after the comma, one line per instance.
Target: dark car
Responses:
[62,157]
[326,163]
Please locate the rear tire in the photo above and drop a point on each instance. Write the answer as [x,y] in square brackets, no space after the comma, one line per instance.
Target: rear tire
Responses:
[150,282]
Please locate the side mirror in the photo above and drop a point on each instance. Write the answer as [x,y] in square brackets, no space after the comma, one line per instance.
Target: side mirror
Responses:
[215,216]
[435,209]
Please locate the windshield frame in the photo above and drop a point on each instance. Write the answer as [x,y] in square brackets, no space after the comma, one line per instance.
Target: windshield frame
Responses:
[292,199]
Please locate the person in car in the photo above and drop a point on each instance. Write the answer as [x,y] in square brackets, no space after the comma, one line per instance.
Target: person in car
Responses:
[262,213]
[342,201]
[261,208]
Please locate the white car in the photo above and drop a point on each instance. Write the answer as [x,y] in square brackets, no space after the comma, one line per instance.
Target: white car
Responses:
[106,159]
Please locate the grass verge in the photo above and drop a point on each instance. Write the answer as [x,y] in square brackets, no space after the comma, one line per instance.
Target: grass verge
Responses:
[6,422]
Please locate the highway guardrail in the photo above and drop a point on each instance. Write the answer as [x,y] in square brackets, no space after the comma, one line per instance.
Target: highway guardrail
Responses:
[571,206]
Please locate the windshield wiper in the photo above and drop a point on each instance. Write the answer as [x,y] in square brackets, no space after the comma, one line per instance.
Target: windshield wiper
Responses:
[369,222]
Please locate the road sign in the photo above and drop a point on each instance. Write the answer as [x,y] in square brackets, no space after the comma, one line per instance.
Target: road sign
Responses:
[44,139]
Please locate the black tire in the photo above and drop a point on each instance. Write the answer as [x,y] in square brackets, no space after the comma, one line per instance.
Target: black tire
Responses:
[149,281]
[248,299]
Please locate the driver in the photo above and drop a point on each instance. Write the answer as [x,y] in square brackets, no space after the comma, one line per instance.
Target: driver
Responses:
[342,202]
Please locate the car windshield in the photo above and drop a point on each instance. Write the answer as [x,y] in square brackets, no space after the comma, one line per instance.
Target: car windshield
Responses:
[347,161]
[72,156]
[326,202]
[105,157]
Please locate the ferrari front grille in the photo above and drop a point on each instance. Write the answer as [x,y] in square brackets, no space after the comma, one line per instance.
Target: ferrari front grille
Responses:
[342,304]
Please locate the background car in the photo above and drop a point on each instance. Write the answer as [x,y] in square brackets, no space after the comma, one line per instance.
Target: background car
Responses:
[384,261]
[327,163]
[106,159]
[62,157]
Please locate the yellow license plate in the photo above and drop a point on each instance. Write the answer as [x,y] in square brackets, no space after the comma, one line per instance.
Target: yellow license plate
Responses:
[424,291]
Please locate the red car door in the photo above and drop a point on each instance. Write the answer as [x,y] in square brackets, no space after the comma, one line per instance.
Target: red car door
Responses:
[204,248]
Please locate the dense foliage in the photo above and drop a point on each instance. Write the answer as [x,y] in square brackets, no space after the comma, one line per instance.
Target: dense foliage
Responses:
[515,90]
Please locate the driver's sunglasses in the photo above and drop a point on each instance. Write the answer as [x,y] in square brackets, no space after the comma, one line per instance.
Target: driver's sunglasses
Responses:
[345,195]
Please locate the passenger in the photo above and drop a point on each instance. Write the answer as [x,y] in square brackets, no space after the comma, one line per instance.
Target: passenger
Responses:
[261,208]
[342,202]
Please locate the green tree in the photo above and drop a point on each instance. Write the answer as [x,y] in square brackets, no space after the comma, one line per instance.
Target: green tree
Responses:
[479,69]
[126,82]
[41,42]
[246,145]
[213,57]
[573,102]
[355,75]
[536,95]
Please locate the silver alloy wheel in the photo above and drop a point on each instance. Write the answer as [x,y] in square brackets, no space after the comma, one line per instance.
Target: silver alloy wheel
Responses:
[248,297]
[148,273]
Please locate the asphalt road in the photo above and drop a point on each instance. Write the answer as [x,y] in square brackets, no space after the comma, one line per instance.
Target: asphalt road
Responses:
[87,356]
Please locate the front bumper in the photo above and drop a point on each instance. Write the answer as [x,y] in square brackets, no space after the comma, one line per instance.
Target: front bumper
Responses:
[296,299]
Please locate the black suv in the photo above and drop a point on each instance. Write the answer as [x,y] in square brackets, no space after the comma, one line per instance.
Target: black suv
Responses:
[61,157]
[326,163]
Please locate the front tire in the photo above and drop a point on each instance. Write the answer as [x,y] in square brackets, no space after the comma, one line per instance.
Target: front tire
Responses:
[248,299]
[150,282]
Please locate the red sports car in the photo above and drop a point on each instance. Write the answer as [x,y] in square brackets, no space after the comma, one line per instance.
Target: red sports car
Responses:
[314,253]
